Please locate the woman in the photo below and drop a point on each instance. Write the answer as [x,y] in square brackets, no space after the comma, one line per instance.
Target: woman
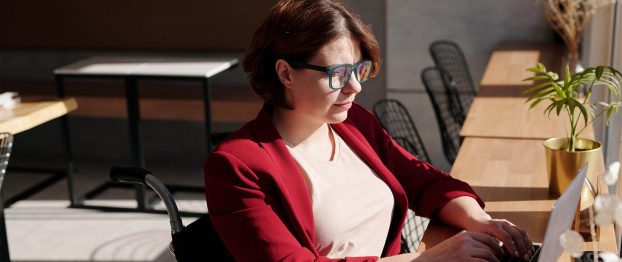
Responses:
[314,177]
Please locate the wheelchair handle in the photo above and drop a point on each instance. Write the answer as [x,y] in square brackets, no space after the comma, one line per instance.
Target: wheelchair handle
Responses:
[133,175]
[144,177]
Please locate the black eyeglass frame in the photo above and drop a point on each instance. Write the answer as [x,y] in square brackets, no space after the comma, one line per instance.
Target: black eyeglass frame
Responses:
[331,69]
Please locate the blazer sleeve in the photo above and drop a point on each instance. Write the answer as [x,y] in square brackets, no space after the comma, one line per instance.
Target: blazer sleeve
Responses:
[247,213]
[428,189]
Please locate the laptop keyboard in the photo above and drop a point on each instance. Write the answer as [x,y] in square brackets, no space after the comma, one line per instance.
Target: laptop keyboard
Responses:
[507,257]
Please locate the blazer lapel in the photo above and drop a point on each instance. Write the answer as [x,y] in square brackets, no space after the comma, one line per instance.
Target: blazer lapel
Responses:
[293,188]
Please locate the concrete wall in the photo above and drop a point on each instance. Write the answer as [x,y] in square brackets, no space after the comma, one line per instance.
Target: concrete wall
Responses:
[477,26]
[373,13]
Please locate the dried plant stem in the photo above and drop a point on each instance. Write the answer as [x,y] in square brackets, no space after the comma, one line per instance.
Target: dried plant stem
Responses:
[593,232]
[569,18]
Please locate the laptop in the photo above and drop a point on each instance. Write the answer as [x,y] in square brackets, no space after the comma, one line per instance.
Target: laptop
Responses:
[560,220]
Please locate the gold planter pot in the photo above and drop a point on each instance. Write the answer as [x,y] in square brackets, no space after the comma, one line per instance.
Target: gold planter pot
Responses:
[562,166]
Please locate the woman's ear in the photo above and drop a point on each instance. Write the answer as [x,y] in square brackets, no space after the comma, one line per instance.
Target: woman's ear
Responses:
[285,72]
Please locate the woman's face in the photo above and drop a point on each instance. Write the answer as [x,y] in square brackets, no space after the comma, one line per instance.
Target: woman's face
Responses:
[310,93]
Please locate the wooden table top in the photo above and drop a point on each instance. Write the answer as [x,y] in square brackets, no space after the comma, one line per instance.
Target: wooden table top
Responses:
[27,115]
[508,64]
[510,117]
[510,175]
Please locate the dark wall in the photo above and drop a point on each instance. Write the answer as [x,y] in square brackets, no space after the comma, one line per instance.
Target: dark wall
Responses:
[186,25]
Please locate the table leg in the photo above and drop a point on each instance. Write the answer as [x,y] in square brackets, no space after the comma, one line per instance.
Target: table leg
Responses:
[207,93]
[133,114]
[65,138]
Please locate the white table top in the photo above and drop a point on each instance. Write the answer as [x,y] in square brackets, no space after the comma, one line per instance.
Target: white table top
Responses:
[148,66]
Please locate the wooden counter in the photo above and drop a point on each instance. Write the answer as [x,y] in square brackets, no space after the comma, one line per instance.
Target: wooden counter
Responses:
[510,117]
[27,115]
[510,175]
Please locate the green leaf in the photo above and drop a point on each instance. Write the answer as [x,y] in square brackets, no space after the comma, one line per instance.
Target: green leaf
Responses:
[599,72]
[583,110]
[609,115]
[542,93]
[535,103]
[541,67]
[536,78]
[570,105]
[603,104]
[559,90]
[550,108]
[534,88]
[567,75]
[552,75]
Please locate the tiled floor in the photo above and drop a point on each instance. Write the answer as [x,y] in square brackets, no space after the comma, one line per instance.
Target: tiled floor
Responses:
[42,228]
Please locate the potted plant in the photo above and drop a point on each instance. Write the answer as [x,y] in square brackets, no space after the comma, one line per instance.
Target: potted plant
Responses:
[569,97]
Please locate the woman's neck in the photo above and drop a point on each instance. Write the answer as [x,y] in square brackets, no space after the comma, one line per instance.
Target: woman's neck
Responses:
[312,137]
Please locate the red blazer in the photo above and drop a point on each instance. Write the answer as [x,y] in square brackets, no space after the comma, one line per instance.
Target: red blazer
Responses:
[259,203]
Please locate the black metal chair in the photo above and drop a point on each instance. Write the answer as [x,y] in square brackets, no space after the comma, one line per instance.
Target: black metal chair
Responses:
[6,143]
[199,241]
[394,118]
[449,57]
[441,101]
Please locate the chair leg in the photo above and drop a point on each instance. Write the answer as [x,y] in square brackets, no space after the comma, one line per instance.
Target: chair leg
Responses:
[4,243]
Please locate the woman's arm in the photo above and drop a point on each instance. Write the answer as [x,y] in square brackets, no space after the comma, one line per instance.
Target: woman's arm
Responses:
[464,247]
[466,213]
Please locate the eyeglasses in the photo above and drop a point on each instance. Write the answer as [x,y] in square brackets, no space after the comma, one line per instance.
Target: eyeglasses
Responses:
[339,75]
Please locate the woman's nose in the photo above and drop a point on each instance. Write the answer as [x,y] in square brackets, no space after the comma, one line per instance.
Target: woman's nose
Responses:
[353,85]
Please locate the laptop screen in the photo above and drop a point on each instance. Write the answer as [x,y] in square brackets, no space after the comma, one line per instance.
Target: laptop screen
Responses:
[561,217]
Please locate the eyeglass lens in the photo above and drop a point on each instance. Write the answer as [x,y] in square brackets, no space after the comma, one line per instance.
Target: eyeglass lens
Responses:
[341,74]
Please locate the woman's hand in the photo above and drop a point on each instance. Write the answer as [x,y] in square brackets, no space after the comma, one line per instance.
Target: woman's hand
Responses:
[464,246]
[465,213]
[515,239]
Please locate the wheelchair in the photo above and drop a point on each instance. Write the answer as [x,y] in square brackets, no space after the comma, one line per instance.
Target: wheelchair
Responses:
[198,241]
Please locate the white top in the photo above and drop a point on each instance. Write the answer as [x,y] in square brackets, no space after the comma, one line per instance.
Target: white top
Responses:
[148,66]
[352,207]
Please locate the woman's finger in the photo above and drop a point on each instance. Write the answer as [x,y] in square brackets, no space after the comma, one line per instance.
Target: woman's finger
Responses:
[518,239]
[483,253]
[498,232]
[487,242]
[527,241]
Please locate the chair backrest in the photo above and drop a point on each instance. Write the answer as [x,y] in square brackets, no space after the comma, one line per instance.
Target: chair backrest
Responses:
[441,100]
[414,228]
[449,57]
[394,118]
[6,143]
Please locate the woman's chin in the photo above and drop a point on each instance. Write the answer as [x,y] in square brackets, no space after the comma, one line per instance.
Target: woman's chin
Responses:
[337,117]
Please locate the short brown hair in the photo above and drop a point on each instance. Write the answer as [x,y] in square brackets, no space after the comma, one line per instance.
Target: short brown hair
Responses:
[295,30]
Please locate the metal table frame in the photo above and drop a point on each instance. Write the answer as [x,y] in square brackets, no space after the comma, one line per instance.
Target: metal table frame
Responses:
[136,144]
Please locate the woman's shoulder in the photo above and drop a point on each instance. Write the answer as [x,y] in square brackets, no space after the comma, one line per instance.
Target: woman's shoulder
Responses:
[243,146]
[240,144]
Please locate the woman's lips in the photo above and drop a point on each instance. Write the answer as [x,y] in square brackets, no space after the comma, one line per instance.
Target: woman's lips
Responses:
[344,105]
